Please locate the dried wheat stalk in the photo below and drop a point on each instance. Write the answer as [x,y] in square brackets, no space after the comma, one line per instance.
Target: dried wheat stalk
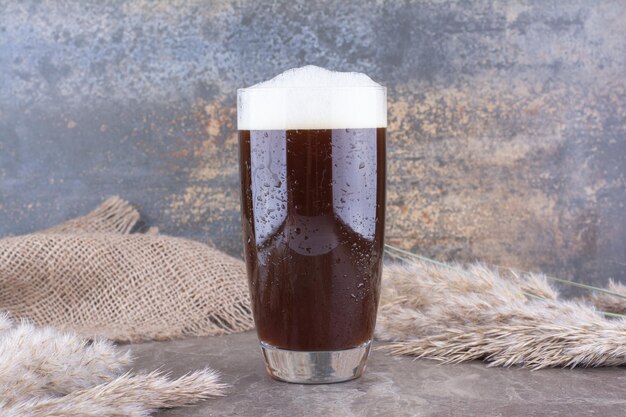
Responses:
[609,303]
[38,362]
[127,395]
[454,315]
[44,372]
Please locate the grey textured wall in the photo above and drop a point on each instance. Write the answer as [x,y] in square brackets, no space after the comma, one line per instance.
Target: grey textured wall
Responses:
[507,118]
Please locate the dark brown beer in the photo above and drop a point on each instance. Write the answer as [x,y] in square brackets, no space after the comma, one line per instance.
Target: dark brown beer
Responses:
[313,208]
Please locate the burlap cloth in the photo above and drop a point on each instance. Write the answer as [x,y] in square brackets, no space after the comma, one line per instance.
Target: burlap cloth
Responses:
[93,276]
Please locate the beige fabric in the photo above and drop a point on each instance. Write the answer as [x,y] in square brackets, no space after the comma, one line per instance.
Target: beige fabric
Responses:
[113,216]
[92,276]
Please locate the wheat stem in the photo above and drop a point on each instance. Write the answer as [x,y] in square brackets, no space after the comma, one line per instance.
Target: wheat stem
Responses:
[560,280]
[404,254]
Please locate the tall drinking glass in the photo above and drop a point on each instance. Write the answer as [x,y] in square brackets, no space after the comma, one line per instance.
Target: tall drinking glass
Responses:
[312,161]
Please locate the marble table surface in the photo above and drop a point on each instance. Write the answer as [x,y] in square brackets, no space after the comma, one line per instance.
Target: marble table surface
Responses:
[391,386]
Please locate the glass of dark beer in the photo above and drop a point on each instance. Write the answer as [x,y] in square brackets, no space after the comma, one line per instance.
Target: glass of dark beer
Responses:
[312,160]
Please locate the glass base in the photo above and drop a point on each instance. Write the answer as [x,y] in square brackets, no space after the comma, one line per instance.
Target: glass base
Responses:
[322,367]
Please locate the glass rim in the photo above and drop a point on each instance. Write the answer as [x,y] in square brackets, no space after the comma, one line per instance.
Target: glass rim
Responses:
[315,88]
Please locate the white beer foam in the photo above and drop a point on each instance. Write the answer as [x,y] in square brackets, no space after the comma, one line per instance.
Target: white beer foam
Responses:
[312,97]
